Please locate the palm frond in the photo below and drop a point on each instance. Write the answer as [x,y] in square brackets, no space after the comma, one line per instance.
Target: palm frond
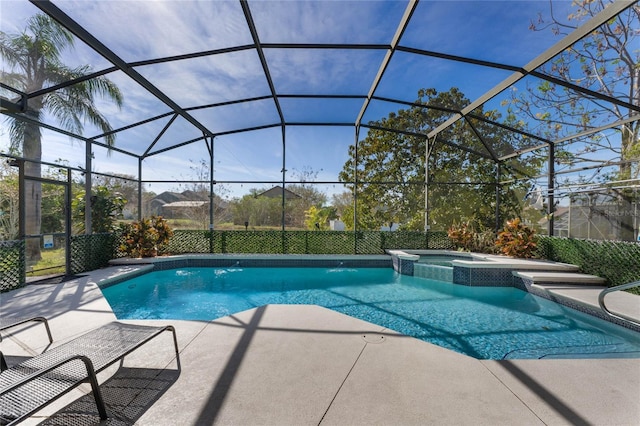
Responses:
[17,131]
[34,59]
[49,36]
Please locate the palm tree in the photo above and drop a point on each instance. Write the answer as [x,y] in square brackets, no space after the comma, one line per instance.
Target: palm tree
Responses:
[33,58]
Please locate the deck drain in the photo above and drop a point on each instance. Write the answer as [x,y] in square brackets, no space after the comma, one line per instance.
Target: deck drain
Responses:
[373,338]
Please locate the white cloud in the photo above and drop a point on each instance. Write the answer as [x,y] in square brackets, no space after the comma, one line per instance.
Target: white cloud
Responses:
[210,79]
[139,30]
[326,21]
[322,71]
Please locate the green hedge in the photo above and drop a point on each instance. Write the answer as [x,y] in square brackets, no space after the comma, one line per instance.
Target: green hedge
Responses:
[303,242]
[12,265]
[90,252]
[617,261]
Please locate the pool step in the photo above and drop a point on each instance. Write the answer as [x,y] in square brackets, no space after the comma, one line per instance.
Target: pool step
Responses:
[573,352]
[567,278]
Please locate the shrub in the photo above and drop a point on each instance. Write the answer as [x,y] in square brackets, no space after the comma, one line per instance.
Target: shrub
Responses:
[146,237]
[461,235]
[517,239]
[466,237]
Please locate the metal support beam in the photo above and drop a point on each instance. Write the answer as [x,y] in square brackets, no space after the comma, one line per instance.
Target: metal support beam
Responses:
[169,148]
[16,105]
[355,186]
[618,123]
[498,188]
[402,26]
[421,135]
[88,166]
[162,132]
[79,31]
[67,223]
[554,80]
[27,119]
[284,173]
[7,105]
[430,143]
[470,115]
[139,189]
[587,28]
[22,228]
[487,146]
[69,83]
[212,182]
[550,191]
[263,60]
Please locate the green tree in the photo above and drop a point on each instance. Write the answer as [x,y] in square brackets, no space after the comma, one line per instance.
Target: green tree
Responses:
[343,204]
[317,218]
[9,203]
[309,196]
[33,61]
[257,210]
[106,209]
[126,186]
[606,61]
[391,168]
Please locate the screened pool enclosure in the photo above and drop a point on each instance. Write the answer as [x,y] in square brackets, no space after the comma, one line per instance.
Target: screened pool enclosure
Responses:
[318,116]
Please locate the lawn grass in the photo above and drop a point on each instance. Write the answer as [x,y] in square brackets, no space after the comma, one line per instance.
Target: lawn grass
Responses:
[52,262]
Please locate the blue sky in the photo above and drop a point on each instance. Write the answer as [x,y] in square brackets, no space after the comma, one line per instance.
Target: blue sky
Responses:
[140,30]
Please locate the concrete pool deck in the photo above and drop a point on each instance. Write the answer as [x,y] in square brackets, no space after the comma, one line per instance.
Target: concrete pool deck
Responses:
[303,365]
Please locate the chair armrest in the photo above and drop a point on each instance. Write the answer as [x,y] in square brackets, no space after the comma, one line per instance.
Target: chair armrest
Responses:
[91,376]
[87,362]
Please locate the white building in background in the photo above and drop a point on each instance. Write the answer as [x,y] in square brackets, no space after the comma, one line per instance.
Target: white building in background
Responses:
[336,225]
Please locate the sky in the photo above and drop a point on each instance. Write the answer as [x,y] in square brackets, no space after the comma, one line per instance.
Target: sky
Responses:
[137,31]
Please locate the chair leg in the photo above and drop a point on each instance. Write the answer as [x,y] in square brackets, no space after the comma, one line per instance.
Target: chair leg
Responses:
[93,380]
[97,395]
[46,325]
[3,362]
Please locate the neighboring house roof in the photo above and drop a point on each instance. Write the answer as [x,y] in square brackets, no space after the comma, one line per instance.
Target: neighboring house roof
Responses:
[276,192]
[157,202]
[194,196]
[184,204]
[169,197]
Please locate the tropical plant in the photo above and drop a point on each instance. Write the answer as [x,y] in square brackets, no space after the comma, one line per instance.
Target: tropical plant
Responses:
[468,237]
[146,237]
[106,209]
[461,235]
[517,239]
[32,63]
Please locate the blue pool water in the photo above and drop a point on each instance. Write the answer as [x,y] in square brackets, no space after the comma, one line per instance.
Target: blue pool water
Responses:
[483,322]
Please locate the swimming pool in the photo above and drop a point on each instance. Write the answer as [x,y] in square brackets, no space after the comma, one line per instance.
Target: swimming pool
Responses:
[482,322]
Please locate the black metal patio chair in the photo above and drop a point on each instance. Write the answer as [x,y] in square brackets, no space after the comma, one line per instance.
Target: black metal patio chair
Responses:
[30,385]
[11,322]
